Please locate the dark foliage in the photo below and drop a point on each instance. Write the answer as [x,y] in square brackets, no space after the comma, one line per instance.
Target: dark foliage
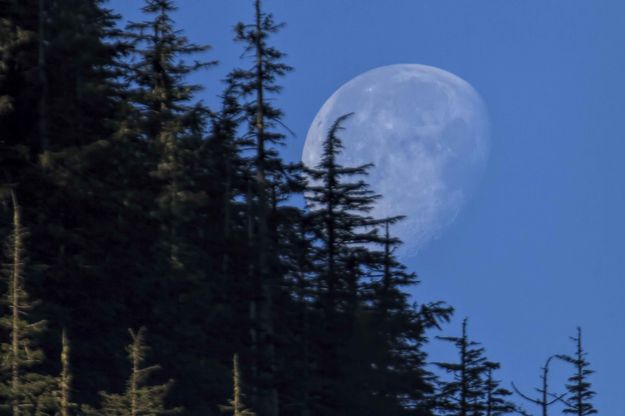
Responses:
[146,208]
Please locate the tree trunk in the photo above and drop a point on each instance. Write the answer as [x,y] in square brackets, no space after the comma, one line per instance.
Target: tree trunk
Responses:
[65,379]
[135,372]
[15,288]
[266,298]
[43,82]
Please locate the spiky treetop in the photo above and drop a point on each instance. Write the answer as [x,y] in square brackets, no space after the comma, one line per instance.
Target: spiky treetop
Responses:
[160,71]
[580,394]
[464,395]
[24,390]
[140,398]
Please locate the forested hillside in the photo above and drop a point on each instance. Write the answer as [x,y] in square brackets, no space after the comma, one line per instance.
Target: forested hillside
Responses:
[143,228]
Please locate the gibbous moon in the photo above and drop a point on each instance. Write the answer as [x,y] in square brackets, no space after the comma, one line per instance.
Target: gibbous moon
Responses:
[426,132]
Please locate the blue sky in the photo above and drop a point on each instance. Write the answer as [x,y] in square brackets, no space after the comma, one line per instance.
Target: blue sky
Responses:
[539,248]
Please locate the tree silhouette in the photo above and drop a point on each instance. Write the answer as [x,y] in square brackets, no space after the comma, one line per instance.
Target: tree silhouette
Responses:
[496,402]
[256,85]
[578,401]
[463,395]
[546,398]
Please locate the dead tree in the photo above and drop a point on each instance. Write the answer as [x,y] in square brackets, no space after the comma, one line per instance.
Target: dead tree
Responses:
[545,399]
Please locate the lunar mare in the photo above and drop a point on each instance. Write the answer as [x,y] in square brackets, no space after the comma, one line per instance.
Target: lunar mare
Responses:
[426,132]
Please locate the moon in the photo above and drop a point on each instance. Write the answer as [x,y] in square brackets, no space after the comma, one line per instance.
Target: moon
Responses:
[425,130]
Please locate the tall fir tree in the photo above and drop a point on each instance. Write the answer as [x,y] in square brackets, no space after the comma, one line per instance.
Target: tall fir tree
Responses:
[257,84]
[580,394]
[398,376]
[496,402]
[339,211]
[179,284]
[140,397]
[24,389]
[65,405]
[166,113]
[236,406]
[472,389]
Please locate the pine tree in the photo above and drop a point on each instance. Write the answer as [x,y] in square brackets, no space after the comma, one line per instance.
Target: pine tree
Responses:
[397,329]
[339,211]
[25,391]
[496,402]
[344,232]
[140,397]
[64,402]
[181,280]
[472,389]
[257,84]
[230,166]
[580,395]
[236,406]
[166,113]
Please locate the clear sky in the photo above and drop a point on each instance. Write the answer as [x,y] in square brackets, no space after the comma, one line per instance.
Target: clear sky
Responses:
[540,247]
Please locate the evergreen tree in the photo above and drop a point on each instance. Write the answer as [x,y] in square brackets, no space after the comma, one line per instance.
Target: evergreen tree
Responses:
[472,388]
[257,84]
[26,392]
[166,114]
[140,397]
[496,402]
[64,380]
[228,164]
[236,405]
[339,213]
[181,280]
[398,378]
[580,395]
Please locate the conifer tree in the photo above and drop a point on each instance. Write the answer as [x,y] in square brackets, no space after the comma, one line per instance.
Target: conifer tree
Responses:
[236,406]
[25,391]
[467,392]
[64,402]
[580,395]
[140,397]
[339,211]
[178,283]
[257,84]
[228,164]
[398,377]
[166,113]
[496,402]
[298,317]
